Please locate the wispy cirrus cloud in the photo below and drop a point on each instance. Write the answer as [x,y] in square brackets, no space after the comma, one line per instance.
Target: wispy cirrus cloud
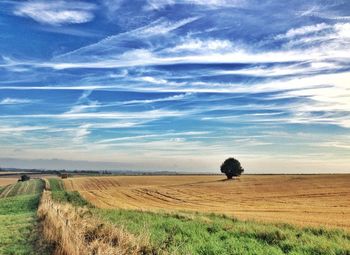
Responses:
[147,136]
[322,11]
[304,30]
[333,42]
[19,129]
[14,101]
[161,27]
[159,4]
[56,13]
[211,45]
[121,42]
[112,115]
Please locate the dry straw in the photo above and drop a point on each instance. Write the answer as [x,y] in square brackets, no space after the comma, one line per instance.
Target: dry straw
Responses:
[75,231]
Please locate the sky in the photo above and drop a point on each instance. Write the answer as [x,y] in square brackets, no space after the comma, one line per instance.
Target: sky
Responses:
[175,85]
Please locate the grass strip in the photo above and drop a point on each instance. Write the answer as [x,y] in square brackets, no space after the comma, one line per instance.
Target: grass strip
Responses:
[60,195]
[190,233]
[18,233]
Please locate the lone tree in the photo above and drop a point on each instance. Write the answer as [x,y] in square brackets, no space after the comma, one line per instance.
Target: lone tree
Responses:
[231,167]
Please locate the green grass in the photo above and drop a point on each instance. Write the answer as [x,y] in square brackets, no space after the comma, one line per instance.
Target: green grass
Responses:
[30,187]
[17,225]
[212,234]
[56,184]
[60,195]
[18,206]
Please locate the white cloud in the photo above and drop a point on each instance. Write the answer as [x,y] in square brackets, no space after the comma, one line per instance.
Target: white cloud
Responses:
[165,99]
[19,129]
[329,39]
[332,43]
[84,103]
[48,87]
[94,104]
[217,2]
[153,114]
[342,30]
[142,57]
[304,30]
[212,45]
[112,6]
[143,137]
[335,144]
[159,4]
[118,124]
[321,11]
[113,115]
[161,26]
[82,108]
[56,13]
[85,95]
[153,80]
[325,100]
[294,69]
[11,101]
[81,132]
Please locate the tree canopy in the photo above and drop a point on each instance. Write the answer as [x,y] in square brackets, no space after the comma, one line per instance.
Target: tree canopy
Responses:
[231,167]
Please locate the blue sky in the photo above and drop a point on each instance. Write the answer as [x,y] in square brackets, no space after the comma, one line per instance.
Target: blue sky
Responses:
[175,85]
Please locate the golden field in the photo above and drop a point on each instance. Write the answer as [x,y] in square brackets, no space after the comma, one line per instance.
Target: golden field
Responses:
[306,200]
[7,180]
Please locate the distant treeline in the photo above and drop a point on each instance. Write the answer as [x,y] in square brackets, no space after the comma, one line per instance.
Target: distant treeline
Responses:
[96,172]
[53,172]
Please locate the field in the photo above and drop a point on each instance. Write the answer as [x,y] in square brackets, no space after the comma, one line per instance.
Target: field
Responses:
[18,205]
[4,181]
[23,188]
[172,229]
[304,200]
[152,215]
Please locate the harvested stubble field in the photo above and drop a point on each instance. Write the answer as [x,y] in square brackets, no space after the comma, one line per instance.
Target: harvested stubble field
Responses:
[305,200]
[4,181]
